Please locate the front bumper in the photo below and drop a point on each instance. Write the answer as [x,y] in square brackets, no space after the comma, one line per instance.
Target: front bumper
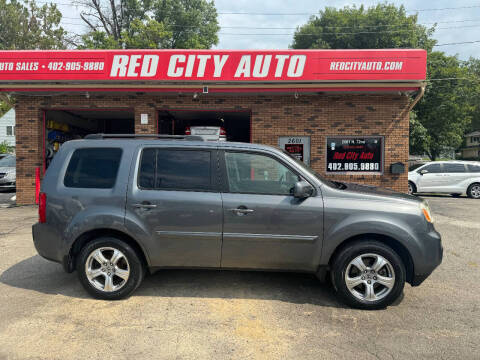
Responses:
[7,184]
[432,257]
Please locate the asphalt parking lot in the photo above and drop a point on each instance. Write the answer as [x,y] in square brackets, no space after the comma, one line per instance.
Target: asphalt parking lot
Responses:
[186,314]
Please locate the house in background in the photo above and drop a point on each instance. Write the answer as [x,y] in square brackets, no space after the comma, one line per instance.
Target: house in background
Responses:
[472,150]
[7,127]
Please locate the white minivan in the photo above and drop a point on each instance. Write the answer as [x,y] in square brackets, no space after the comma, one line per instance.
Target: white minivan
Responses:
[451,177]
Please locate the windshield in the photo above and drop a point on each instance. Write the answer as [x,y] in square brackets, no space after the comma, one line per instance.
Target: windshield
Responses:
[308,169]
[8,161]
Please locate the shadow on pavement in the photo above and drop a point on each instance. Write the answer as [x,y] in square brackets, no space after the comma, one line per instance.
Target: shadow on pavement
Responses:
[428,195]
[46,277]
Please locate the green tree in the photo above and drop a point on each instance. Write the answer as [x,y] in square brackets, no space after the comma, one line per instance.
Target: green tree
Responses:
[382,26]
[473,69]
[193,23]
[5,148]
[153,24]
[4,107]
[25,25]
[445,110]
[418,136]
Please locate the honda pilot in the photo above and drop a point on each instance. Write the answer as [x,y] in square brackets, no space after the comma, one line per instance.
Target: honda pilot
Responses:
[116,207]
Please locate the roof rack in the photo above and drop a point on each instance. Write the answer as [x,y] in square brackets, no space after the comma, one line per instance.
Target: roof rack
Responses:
[143,136]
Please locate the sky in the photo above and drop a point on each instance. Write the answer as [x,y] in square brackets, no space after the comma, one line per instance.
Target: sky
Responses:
[453,25]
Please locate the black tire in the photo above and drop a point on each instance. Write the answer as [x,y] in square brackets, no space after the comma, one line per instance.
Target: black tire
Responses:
[412,189]
[134,265]
[473,191]
[352,251]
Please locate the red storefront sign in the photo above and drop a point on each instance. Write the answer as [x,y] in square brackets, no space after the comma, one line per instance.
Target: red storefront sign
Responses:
[296,66]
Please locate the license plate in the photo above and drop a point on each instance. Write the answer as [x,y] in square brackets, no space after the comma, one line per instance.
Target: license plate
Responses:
[205,132]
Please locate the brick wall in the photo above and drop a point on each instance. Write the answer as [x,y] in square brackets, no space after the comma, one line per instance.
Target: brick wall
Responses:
[317,116]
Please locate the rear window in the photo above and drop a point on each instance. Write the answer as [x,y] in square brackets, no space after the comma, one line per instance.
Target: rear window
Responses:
[172,169]
[474,168]
[93,168]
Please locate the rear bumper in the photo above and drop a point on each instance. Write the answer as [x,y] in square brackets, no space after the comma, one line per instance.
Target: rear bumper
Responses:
[433,256]
[48,243]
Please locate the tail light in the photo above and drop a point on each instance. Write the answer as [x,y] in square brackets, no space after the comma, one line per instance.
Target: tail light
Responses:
[42,207]
[222,131]
[187,131]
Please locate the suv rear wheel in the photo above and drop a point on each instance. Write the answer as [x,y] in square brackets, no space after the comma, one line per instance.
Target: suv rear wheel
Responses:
[109,268]
[368,275]
[474,191]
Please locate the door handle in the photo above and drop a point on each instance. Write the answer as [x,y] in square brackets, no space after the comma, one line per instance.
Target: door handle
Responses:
[145,205]
[240,211]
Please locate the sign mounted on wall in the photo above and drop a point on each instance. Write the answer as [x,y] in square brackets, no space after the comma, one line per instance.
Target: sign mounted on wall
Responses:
[355,154]
[297,146]
[214,65]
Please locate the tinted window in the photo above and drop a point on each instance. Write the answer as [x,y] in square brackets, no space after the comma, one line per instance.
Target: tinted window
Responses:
[175,169]
[414,166]
[453,168]
[473,168]
[258,174]
[147,169]
[93,168]
[433,168]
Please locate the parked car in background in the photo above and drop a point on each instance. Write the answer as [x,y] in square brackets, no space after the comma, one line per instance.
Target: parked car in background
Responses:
[450,177]
[114,210]
[8,172]
[208,133]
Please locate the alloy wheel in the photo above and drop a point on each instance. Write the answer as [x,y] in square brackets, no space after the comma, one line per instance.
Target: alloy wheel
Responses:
[370,277]
[475,191]
[107,269]
[410,188]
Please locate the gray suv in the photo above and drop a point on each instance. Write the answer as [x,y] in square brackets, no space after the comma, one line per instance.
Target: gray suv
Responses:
[116,207]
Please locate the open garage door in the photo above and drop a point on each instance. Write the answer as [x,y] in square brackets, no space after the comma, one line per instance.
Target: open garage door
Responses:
[64,125]
[235,123]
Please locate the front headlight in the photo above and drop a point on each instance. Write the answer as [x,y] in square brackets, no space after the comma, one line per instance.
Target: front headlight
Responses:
[10,174]
[426,212]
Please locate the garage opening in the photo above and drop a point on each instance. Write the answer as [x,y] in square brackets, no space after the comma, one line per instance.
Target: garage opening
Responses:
[236,124]
[64,125]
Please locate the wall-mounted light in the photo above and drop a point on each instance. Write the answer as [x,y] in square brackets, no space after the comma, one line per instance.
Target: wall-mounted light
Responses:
[195,95]
[87,95]
[296,95]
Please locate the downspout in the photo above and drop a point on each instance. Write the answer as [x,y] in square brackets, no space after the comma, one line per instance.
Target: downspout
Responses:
[417,98]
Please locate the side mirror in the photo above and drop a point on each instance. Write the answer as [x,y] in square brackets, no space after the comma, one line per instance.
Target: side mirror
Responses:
[423,172]
[302,190]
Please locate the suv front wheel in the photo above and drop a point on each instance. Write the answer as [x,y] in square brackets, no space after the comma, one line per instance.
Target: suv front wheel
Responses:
[109,268]
[368,275]
[411,188]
